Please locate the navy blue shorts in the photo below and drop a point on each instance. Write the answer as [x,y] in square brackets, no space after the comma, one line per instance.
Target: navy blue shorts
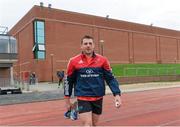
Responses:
[90,106]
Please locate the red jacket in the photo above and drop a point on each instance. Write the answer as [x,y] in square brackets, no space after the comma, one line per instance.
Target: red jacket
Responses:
[88,78]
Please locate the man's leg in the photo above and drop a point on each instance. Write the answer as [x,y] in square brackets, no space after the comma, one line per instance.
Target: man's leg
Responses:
[85,112]
[96,111]
[86,118]
[95,119]
[30,81]
[90,111]
[59,83]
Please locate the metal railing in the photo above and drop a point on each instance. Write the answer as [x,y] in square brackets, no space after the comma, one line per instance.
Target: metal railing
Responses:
[3,30]
[8,82]
[142,71]
[5,82]
[17,83]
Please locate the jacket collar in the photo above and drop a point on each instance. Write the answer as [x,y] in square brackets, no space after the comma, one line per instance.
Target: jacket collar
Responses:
[84,56]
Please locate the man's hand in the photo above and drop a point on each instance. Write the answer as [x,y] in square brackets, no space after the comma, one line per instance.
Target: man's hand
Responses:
[117,100]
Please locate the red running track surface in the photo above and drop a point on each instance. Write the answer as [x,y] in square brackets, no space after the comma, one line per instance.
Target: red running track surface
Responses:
[148,108]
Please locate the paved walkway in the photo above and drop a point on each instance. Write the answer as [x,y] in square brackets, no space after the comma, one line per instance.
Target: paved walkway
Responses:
[50,91]
[125,87]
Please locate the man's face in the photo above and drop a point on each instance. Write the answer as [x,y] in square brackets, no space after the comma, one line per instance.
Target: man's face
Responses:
[87,46]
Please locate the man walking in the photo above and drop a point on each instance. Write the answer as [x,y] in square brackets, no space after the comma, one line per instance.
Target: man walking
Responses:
[60,75]
[86,73]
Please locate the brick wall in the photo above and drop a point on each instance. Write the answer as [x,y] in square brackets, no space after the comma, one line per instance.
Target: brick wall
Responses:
[124,42]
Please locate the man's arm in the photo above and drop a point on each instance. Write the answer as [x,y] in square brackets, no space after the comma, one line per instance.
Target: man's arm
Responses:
[110,79]
[112,83]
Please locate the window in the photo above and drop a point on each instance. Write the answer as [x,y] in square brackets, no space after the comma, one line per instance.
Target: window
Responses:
[8,44]
[41,54]
[39,39]
[13,45]
[38,47]
[4,46]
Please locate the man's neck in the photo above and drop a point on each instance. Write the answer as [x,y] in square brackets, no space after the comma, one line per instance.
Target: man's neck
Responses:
[88,55]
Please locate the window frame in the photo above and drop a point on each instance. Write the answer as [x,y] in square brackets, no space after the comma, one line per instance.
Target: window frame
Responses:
[39,45]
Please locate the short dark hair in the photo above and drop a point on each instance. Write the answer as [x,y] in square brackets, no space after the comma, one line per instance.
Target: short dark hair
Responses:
[88,37]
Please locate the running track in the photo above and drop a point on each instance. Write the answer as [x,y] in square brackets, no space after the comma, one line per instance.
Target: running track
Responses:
[148,108]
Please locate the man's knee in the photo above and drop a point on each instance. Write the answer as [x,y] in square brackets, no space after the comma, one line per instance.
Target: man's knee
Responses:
[86,118]
[94,122]
[95,119]
[87,122]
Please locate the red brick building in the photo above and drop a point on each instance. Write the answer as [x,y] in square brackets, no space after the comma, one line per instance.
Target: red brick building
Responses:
[48,37]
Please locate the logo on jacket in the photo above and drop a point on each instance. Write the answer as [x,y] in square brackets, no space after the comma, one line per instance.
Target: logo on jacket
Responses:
[89,71]
[80,62]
